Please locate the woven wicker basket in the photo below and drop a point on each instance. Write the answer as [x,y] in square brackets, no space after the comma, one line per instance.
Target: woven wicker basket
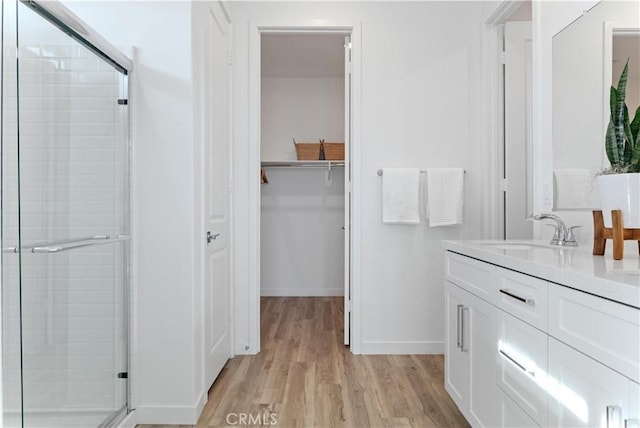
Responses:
[333,151]
[307,151]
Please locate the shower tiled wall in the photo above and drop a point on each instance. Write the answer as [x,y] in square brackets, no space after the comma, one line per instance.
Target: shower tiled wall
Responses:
[72,167]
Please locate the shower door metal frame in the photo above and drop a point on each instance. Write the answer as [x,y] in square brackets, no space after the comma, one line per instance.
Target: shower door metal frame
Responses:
[70,24]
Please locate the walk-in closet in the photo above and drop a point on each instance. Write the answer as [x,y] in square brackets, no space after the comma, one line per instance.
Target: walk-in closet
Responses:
[304,128]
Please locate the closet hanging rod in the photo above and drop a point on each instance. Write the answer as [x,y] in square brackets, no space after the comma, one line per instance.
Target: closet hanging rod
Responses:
[301,164]
[422,171]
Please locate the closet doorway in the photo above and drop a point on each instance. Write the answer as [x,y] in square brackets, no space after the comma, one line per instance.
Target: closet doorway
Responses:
[305,198]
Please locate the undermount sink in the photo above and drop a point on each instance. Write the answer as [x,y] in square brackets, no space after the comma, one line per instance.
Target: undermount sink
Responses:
[512,246]
[515,245]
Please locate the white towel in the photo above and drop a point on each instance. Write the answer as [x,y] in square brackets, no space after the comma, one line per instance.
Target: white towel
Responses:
[400,193]
[574,188]
[445,196]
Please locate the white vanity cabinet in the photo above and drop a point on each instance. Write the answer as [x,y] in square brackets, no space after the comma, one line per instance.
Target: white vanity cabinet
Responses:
[524,351]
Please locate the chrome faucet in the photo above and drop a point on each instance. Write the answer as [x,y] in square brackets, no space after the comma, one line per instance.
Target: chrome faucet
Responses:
[562,235]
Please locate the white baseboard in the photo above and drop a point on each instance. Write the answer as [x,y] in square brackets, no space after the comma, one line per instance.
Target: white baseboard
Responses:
[301,292]
[402,348]
[171,415]
[202,401]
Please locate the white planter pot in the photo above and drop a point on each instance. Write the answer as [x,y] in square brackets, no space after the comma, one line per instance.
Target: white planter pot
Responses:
[621,192]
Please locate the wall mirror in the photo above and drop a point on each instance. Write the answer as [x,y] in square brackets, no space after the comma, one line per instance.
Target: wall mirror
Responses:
[588,56]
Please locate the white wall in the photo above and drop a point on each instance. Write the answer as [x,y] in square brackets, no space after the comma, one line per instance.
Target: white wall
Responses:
[421,93]
[302,241]
[166,376]
[304,108]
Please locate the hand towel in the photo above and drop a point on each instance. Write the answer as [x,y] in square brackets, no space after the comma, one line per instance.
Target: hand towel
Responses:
[445,196]
[574,188]
[400,194]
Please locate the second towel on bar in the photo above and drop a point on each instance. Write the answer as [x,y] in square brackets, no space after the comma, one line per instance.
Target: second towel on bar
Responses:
[400,195]
[445,196]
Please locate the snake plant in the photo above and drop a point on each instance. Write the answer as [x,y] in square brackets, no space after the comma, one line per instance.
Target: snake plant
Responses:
[622,142]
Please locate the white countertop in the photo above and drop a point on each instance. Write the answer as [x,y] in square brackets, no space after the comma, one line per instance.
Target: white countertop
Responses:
[617,280]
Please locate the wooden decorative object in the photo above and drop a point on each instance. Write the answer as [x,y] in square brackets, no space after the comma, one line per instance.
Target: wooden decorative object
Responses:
[617,233]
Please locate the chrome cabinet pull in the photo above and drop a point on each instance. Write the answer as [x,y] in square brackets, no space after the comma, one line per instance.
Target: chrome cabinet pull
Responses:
[459,327]
[520,366]
[531,302]
[462,348]
[612,412]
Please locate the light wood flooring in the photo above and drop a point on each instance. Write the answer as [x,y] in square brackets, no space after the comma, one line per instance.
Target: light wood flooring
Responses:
[305,377]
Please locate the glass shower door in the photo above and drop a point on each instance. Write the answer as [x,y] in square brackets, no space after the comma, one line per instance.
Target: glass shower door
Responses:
[64,228]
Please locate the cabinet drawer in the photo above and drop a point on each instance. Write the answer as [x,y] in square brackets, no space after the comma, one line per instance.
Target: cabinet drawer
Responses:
[607,331]
[472,275]
[510,415]
[582,391]
[523,296]
[522,365]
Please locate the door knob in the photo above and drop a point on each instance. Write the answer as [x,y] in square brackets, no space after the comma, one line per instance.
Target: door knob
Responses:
[211,237]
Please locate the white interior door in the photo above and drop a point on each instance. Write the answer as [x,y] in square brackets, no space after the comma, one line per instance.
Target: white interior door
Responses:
[517,130]
[347,189]
[217,198]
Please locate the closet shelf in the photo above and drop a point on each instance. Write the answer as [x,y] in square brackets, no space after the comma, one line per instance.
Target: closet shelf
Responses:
[302,164]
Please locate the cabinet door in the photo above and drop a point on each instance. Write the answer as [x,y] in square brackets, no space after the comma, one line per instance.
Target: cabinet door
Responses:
[582,392]
[479,341]
[456,362]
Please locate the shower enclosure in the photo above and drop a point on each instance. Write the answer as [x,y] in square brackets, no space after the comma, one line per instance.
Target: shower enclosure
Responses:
[65,222]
